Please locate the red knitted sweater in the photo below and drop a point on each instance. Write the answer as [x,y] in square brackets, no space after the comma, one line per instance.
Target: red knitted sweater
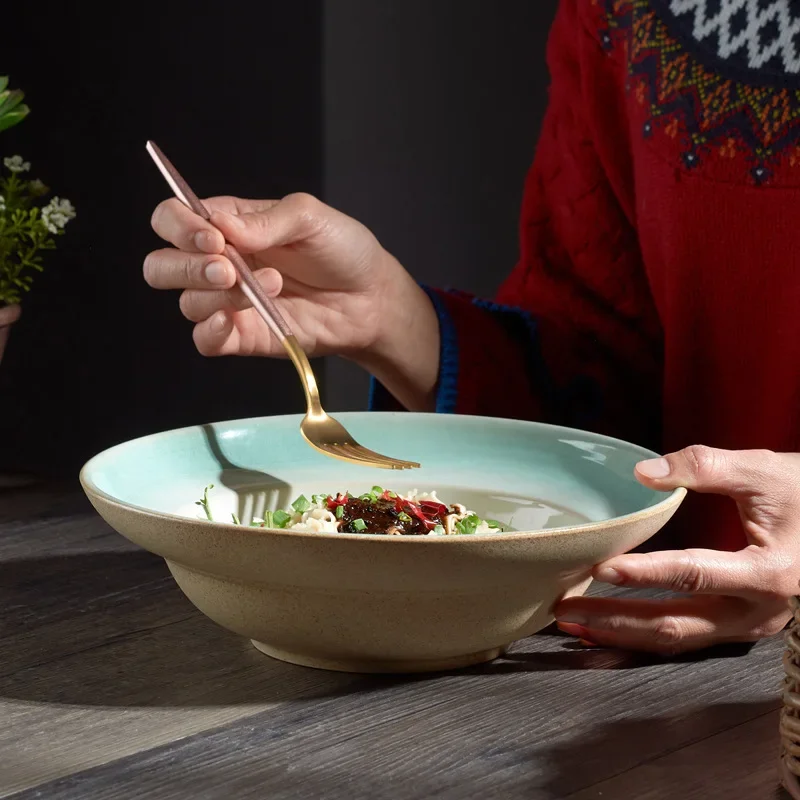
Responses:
[657,294]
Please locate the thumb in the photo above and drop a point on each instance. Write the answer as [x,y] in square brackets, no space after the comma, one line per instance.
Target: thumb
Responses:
[735,473]
[283,222]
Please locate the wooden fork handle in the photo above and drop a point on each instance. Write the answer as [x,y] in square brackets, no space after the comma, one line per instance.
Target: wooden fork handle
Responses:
[252,289]
[254,292]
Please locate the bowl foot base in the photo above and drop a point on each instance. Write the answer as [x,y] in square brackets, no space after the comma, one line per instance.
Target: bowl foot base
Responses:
[398,666]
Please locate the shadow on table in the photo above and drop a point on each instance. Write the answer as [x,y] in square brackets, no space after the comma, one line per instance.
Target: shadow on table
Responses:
[603,759]
[113,629]
[43,500]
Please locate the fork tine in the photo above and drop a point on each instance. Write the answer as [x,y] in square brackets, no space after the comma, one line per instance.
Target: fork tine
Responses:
[355,450]
[362,456]
[338,452]
[397,463]
[364,452]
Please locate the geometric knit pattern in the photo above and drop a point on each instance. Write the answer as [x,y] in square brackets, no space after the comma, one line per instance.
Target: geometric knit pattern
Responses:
[686,93]
[758,35]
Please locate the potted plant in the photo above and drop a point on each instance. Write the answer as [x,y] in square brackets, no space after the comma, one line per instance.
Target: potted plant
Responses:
[29,223]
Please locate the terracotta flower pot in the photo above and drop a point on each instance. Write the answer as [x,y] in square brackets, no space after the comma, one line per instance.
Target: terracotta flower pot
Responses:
[8,316]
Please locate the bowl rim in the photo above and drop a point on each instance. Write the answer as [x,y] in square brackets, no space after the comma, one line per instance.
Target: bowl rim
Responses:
[671,499]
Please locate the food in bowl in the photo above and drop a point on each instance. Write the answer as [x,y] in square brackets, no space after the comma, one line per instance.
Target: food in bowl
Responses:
[378,511]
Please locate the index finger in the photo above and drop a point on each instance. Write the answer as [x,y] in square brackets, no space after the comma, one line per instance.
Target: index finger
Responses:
[181,227]
[693,571]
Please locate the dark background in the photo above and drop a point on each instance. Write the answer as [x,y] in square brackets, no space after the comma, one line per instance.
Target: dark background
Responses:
[417,117]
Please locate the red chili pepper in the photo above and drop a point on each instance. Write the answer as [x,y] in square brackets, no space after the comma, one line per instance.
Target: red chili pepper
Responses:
[433,509]
[341,500]
[417,512]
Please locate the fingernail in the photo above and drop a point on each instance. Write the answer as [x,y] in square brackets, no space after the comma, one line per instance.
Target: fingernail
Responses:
[587,643]
[204,241]
[608,575]
[572,618]
[654,468]
[216,273]
[572,630]
[220,321]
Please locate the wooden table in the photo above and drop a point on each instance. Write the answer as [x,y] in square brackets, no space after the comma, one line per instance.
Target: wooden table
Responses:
[113,686]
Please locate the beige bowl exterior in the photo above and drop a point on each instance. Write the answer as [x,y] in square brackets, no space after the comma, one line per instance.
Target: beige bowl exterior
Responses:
[379,604]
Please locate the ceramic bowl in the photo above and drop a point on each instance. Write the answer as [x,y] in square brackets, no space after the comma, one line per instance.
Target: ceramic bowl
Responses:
[369,603]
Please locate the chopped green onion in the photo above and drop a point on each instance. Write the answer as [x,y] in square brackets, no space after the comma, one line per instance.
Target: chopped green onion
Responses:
[493,523]
[439,530]
[403,517]
[359,525]
[318,499]
[301,505]
[468,525]
[235,519]
[204,502]
[367,498]
[280,518]
[339,513]
[376,490]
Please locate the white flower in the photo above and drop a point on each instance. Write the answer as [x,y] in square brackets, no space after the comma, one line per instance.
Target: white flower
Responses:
[16,164]
[57,213]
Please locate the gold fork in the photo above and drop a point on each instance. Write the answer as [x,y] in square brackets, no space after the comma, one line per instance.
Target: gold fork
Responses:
[319,429]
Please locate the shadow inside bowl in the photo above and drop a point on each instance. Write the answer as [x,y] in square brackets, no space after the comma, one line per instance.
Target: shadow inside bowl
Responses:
[255,490]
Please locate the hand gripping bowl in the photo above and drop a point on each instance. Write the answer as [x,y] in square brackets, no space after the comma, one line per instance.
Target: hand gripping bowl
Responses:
[372,603]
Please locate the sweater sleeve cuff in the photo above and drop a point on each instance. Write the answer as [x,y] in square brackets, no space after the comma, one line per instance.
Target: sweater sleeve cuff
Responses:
[489,363]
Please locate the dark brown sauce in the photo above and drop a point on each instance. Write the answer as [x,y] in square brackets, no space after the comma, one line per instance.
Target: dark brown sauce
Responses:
[382,517]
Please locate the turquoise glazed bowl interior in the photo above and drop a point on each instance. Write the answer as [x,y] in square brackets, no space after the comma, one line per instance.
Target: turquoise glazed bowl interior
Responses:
[527,475]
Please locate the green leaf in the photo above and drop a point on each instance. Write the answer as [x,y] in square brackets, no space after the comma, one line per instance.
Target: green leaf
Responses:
[3,82]
[10,118]
[301,505]
[359,525]
[204,502]
[9,100]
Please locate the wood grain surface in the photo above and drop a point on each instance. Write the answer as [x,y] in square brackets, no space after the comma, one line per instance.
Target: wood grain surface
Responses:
[113,686]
